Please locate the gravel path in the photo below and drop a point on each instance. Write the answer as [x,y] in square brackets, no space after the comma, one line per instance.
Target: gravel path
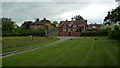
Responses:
[62,38]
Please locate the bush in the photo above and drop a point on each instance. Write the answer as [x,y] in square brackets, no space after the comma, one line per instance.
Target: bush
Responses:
[23,33]
[95,33]
[116,28]
[113,34]
[108,28]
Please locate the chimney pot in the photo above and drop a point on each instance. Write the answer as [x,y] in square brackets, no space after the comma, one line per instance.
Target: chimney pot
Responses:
[44,18]
[72,19]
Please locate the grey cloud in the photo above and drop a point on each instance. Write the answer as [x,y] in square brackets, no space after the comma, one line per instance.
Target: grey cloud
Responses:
[58,0]
[21,11]
[0,9]
[30,10]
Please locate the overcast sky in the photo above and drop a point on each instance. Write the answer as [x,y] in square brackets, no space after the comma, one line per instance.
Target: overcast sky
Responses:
[59,10]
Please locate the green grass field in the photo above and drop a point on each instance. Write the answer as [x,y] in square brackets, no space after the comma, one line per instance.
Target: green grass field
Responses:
[78,52]
[16,43]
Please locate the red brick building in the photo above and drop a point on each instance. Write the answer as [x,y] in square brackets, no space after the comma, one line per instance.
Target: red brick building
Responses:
[72,28]
[93,27]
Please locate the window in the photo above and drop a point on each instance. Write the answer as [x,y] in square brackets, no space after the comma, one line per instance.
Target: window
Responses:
[69,24]
[64,30]
[69,30]
[74,25]
[74,29]
[64,25]
[94,26]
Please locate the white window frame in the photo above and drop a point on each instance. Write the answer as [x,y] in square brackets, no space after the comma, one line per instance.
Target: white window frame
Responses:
[94,26]
[74,25]
[64,25]
[74,30]
[64,30]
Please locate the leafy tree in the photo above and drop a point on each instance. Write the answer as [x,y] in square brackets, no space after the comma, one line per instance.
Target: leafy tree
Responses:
[55,23]
[0,24]
[26,25]
[47,26]
[116,28]
[113,17]
[7,24]
[78,17]
[37,19]
[119,23]
[107,23]
[16,26]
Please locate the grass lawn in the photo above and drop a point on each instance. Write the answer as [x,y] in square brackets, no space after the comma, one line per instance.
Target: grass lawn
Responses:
[0,62]
[0,47]
[16,43]
[78,52]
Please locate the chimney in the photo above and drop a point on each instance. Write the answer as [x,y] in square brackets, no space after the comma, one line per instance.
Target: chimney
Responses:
[44,18]
[72,19]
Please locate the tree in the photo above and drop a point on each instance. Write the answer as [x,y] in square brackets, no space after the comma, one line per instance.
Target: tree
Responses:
[78,17]
[118,23]
[113,17]
[37,19]
[26,25]
[47,26]
[7,24]
[116,28]
[55,23]
[0,24]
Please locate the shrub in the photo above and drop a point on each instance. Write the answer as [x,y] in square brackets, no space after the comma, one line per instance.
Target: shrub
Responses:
[116,28]
[113,34]
[108,28]
[95,33]
[23,33]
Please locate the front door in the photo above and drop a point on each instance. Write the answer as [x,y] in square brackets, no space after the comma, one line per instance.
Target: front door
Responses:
[69,33]
[80,29]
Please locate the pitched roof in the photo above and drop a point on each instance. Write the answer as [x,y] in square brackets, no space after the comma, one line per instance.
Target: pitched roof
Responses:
[94,25]
[79,22]
[70,23]
[42,22]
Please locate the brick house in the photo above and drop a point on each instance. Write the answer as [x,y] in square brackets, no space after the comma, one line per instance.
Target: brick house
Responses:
[72,28]
[39,25]
[93,27]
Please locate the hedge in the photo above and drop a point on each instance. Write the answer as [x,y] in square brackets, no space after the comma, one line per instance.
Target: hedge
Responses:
[23,33]
[113,34]
[95,33]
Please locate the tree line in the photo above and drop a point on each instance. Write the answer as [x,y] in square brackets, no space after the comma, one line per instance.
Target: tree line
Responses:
[9,25]
[10,28]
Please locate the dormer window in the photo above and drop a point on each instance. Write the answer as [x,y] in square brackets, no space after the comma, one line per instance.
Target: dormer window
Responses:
[64,25]
[74,25]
